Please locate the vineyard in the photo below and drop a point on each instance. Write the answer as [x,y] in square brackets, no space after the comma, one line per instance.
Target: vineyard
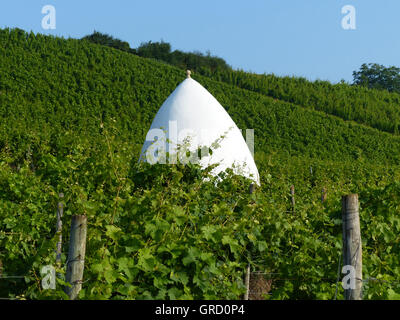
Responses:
[73,117]
[375,108]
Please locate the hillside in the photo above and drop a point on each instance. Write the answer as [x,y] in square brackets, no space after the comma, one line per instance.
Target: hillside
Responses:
[379,109]
[52,85]
[375,108]
[73,117]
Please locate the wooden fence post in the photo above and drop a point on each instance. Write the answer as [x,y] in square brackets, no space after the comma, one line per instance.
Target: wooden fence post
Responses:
[76,255]
[247,283]
[292,197]
[352,247]
[248,270]
[60,211]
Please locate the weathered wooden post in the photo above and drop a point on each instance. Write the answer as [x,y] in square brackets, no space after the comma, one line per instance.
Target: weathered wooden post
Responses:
[60,211]
[292,197]
[248,270]
[247,283]
[76,255]
[352,247]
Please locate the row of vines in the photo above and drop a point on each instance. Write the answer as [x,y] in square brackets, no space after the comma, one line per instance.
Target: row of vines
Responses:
[163,232]
[379,109]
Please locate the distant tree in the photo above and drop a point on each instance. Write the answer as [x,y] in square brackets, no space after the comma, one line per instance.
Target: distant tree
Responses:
[107,40]
[377,76]
[195,61]
[157,50]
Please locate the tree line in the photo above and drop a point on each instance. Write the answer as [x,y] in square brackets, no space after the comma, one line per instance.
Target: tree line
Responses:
[373,99]
[371,75]
[194,61]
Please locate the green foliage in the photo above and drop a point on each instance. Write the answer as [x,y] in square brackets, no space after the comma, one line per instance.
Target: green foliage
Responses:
[66,88]
[195,61]
[375,108]
[164,232]
[376,76]
[155,233]
[107,40]
[157,50]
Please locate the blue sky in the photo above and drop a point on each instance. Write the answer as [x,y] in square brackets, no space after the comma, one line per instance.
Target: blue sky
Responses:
[286,37]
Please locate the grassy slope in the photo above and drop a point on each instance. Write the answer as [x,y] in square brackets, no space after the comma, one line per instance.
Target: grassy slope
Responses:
[375,108]
[51,85]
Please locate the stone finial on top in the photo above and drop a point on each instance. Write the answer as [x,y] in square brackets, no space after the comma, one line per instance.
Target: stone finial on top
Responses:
[188,73]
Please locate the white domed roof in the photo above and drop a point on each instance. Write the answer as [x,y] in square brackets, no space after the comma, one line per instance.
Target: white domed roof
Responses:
[192,113]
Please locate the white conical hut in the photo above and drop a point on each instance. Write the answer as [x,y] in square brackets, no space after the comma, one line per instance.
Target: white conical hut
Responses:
[192,117]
